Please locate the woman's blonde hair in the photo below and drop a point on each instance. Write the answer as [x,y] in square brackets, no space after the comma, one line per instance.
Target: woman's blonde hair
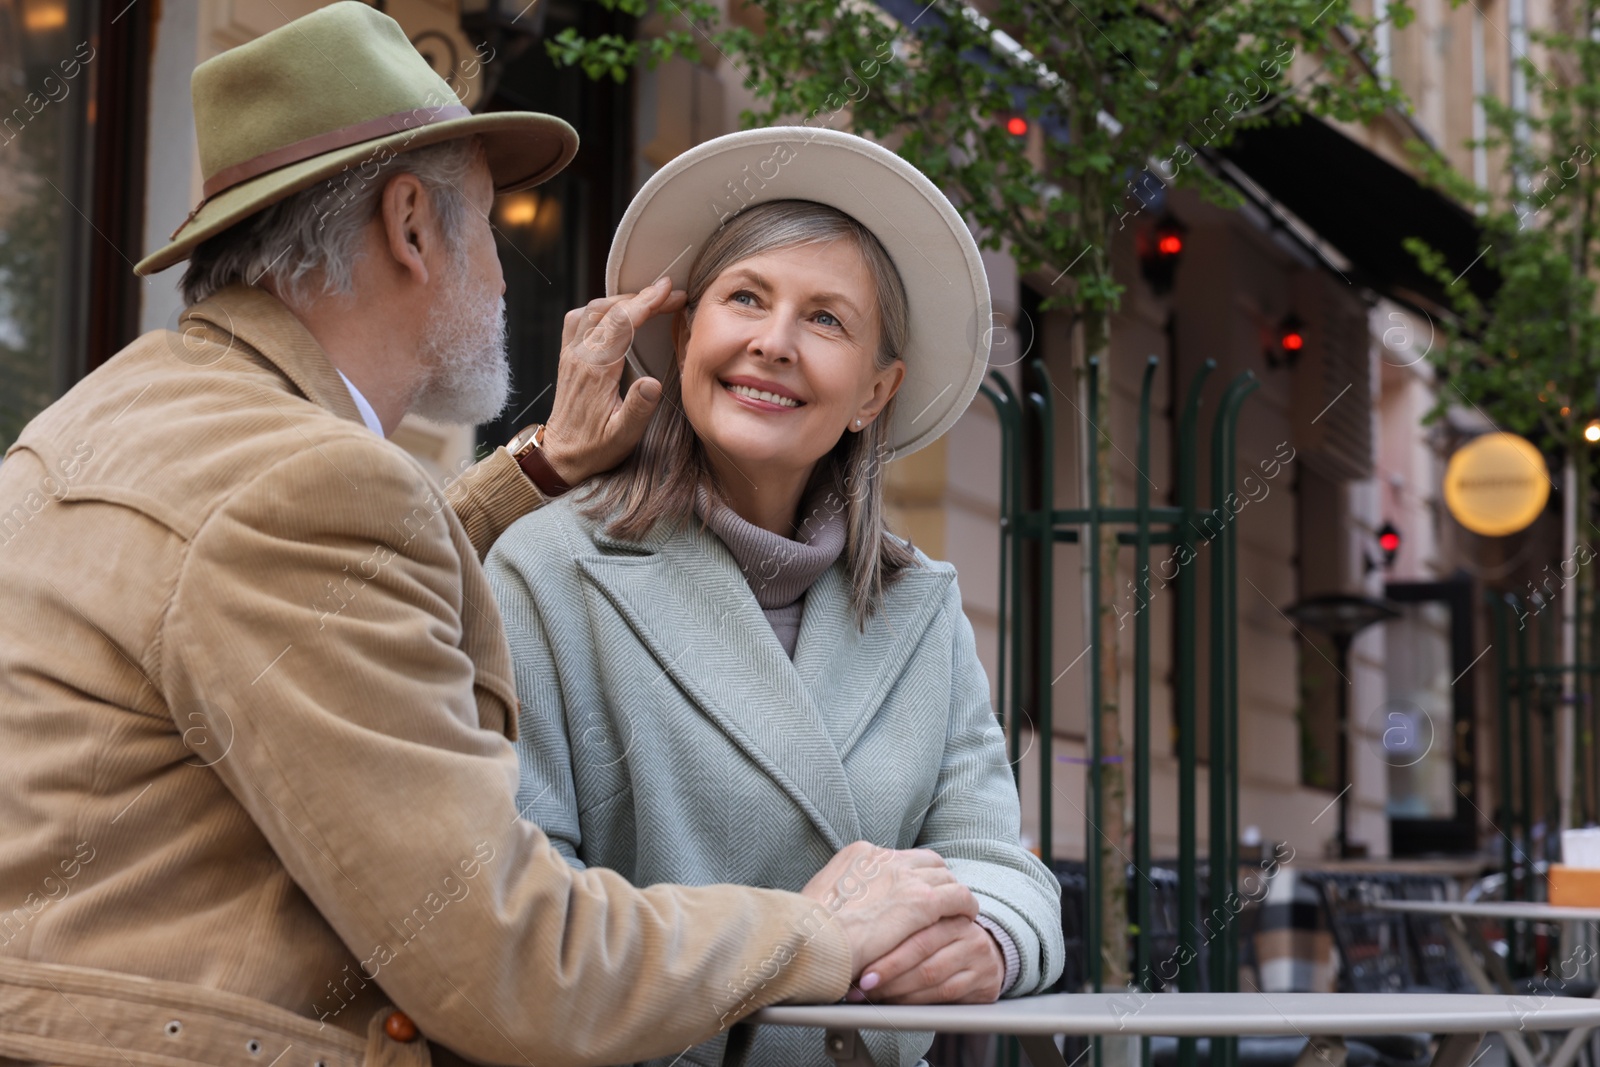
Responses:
[658,482]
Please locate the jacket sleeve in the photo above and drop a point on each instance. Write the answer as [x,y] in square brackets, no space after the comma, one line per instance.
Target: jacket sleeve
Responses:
[355,747]
[547,790]
[975,821]
[495,494]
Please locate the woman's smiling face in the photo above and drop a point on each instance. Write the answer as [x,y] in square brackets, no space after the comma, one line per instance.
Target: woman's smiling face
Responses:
[781,358]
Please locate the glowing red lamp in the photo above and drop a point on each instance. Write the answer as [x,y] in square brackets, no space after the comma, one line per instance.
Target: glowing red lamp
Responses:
[1159,250]
[1290,342]
[1016,126]
[1389,541]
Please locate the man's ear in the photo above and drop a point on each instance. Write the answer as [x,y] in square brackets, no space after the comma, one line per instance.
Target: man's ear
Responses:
[406,215]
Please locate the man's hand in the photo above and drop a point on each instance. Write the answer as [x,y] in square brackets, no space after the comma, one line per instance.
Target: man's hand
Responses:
[954,961]
[591,428]
[882,896]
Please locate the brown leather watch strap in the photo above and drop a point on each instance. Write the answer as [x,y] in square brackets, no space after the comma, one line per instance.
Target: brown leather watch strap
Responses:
[531,458]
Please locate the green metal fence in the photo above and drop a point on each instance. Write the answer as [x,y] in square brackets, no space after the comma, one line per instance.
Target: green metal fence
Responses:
[1031,528]
[1531,680]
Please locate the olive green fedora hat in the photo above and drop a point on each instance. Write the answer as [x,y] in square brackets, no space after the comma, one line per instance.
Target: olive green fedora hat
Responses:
[340,89]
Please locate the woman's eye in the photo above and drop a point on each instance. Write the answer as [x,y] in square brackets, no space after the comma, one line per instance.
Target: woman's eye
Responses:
[745,294]
[828,319]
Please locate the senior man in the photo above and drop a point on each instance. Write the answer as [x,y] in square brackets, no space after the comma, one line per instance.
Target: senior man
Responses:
[255,734]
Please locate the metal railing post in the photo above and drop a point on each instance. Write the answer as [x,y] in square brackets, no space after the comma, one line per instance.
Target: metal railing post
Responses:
[1010,706]
[1186,698]
[1092,931]
[1224,730]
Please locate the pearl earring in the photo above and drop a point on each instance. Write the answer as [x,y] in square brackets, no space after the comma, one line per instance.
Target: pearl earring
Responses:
[858,424]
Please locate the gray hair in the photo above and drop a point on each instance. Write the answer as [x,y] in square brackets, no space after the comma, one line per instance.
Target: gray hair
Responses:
[659,482]
[317,231]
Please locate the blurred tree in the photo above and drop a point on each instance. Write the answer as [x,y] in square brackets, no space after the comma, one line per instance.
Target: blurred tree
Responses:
[1052,125]
[1529,356]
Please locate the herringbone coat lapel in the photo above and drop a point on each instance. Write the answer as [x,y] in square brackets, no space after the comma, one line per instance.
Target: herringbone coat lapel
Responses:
[848,671]
[689,605]
[684,597]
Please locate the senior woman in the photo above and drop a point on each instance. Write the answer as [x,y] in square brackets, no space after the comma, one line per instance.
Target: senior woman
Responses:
[728,667]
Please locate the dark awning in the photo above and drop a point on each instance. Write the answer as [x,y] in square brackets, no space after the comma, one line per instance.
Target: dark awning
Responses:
[1364,206]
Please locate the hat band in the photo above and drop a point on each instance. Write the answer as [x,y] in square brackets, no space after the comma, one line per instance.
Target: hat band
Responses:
[316,145]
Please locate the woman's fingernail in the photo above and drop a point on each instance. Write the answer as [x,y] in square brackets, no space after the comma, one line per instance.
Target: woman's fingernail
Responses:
[870,980]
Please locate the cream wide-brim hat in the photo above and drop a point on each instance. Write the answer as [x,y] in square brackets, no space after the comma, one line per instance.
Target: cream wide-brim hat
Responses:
[339,90]
[689,199]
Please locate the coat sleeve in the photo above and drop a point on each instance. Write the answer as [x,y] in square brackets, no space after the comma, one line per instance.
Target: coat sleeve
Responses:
[495,494]
[975,821]
[353,742]
[547,790]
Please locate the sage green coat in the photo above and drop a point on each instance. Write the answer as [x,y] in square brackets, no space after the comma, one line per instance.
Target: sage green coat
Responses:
[665,734]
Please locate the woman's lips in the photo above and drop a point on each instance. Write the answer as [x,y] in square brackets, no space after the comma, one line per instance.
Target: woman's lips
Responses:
[756,399]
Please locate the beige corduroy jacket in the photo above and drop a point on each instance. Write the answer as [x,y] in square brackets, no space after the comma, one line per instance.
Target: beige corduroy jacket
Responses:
[256,772]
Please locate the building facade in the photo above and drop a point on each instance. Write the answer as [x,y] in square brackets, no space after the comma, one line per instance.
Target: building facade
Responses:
[98,163]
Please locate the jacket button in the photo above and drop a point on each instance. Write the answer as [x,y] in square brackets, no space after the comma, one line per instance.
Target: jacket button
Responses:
[400,1027]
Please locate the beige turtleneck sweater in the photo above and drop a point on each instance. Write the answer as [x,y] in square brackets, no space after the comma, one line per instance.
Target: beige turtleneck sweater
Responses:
[780,569]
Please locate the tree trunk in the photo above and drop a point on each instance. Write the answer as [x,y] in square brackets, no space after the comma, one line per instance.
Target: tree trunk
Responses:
[1111,852]
[1583,639]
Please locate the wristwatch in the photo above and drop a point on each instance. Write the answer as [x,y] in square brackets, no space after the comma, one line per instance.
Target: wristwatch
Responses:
[528,450]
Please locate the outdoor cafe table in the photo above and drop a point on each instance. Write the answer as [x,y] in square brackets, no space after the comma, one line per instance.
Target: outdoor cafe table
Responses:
[1474,955]
[1323,1018]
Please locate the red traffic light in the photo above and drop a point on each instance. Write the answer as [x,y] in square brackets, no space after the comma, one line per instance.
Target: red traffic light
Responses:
[1287,342]
[1016,125]
[1159,249]
[1389,541]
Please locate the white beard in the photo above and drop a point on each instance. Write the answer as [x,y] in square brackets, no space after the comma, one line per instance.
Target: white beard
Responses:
[463,350]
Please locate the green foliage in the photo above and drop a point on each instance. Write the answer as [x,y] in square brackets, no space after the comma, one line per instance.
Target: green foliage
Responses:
[1122,86]
[1530,357]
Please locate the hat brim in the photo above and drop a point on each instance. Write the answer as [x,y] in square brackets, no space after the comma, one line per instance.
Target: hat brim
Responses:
[686,201]
[523,149]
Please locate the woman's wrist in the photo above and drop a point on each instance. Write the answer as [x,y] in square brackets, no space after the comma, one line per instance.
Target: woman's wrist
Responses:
[1010,960]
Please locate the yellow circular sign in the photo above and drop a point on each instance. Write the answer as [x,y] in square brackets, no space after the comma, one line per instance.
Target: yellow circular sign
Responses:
[1496,484]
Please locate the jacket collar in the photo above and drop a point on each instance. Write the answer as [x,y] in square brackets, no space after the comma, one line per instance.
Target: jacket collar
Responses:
[253,317]
[683,595]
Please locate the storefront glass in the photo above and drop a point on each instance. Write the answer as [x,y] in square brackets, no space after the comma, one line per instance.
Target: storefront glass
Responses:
[45,115]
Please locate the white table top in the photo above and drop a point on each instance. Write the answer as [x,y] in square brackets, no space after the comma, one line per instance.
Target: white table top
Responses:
[1208,1014]
[1491,909]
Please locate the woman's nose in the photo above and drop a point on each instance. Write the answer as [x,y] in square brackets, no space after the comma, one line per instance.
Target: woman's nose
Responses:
[774,340]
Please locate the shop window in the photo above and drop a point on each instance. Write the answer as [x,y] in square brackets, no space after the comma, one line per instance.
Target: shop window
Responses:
[1319,567]
[1427,720]
[553,239]
[72,103]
